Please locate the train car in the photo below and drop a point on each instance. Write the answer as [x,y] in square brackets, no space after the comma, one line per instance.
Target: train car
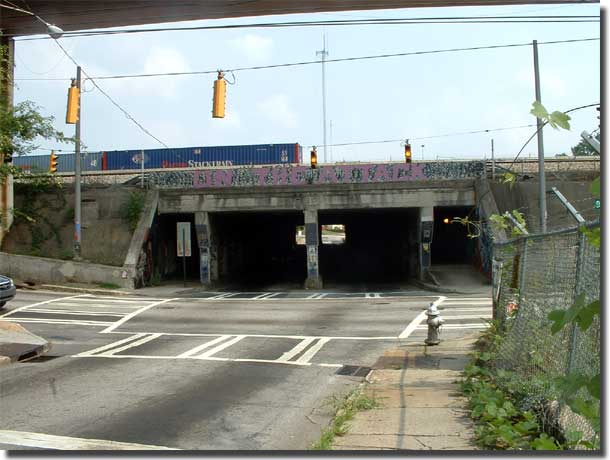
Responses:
[203,157]
[90,161]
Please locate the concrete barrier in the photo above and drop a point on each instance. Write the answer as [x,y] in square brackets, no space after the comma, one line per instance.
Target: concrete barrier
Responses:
[54,271]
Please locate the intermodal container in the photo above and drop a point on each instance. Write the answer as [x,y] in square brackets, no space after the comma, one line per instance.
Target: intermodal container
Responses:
[90,161]
[33,163]
[65,162]
[203,157]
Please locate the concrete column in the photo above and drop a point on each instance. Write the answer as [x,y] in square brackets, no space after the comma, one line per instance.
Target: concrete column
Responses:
[312,239]
[208,260]
[6,96]
[426,226]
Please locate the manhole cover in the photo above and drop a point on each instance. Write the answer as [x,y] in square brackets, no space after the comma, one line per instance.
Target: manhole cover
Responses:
[356,371]
[165,307]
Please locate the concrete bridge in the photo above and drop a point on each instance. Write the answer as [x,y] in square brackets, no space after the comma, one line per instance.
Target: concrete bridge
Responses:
[245,220]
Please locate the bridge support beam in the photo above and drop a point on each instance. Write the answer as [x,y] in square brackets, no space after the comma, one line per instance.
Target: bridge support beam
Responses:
[208,260]
[312,239]
[426,227]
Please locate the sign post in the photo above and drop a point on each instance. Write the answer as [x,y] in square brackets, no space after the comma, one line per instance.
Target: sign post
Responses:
[183,249]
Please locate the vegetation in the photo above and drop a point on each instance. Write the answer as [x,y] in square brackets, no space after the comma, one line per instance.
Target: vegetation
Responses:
[345,409]
[583,148]
[132,209]
[109,286]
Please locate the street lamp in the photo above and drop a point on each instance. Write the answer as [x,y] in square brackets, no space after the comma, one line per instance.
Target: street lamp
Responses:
[54,31]
[422,151]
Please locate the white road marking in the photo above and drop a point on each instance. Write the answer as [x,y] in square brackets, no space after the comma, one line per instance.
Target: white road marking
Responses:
[458,326]
[137,343]
[25,307]
[311,352]
[220,347]
[372,295]
[297,349]
[109,346]
[223,296]
[266,336]
[199,348]
[133,314]
[93,298]
[318,295]
[265,296]
[418,319]
[58,321]
[76,312]
[100,305]
[442,310]
[465,317]
[49,441]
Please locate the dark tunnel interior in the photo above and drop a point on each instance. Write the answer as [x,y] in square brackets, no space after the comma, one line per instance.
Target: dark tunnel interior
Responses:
[380,247]
[163,251]
[450,241]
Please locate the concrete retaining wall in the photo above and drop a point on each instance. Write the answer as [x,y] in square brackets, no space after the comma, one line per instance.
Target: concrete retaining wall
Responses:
[53,271]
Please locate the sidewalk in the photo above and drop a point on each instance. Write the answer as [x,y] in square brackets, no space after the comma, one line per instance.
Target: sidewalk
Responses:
[421,407]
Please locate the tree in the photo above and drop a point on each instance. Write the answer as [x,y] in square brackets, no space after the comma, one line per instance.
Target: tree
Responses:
[584,149]
[22,124]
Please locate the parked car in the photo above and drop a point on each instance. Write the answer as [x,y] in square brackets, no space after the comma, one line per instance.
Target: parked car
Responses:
[7,290]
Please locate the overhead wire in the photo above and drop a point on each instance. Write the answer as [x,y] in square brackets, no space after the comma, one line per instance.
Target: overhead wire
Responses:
[344,22]
[327,61]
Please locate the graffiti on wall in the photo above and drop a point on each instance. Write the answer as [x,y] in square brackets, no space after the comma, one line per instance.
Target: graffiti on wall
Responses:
[303,175]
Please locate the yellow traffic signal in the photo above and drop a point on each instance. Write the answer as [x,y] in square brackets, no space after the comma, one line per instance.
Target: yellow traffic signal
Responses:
[314,158]
[220,96]
[53,162]
[73,103]
[408,153]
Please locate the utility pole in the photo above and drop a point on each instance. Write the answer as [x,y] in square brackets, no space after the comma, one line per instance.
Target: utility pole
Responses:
[539,125]
[493,162]
[324,53]
[77,168]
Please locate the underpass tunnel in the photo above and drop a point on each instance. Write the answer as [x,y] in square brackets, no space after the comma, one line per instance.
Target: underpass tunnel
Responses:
[259,249]
[451,243]
[380,246]
[163,242]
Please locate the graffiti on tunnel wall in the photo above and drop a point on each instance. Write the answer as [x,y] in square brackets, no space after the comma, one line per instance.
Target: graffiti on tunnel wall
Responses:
[304,175]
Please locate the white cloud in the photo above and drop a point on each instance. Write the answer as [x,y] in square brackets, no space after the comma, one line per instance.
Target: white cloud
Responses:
[255,47]
[277,109]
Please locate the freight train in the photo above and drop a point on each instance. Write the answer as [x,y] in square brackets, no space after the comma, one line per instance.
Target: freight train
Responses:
[186,157]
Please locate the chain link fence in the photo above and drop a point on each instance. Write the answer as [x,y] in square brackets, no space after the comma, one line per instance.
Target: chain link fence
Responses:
[532,276]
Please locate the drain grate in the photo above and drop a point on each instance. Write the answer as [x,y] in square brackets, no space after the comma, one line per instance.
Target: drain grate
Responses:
[356,371]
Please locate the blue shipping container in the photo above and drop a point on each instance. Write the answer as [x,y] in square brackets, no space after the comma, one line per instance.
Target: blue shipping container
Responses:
[203,157]
[90,161]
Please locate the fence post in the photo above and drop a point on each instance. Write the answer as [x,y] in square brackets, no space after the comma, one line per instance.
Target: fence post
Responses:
[580,255]
[522,263]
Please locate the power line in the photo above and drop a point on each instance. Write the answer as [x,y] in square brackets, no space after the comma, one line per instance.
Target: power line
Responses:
[536,19]
[293,64]
[127,114]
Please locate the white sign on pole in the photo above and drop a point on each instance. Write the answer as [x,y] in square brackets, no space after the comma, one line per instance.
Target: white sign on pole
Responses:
[184,239]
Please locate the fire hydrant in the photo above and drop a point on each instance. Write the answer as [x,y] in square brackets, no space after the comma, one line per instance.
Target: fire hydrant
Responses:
[434,323]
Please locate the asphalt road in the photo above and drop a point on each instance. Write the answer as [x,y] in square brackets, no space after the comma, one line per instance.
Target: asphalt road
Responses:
[236,371]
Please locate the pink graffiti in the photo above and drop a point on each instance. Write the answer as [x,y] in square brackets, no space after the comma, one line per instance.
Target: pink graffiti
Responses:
[302,175]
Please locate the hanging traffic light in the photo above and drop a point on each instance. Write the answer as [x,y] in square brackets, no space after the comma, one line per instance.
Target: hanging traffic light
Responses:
[220,96]
[314,158]
[53,162]
[408,153]
[73,103]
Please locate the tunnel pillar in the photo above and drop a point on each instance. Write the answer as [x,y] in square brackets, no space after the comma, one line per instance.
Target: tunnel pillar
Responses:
[426,226]
[312,238]
[208,263]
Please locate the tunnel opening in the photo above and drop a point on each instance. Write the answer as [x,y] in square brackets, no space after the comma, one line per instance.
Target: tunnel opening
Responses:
[378,248]
[162,248]
[451,244]
[257,250]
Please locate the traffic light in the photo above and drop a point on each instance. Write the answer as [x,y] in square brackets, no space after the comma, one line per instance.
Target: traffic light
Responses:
[408,153]
[53,162]
[73,103]
[220,96]
[446,220]
[314,158]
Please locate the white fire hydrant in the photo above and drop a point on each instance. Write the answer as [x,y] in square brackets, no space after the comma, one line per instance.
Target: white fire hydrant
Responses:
[434,323]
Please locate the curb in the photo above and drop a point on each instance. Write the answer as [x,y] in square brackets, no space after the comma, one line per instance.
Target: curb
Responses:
[54,287]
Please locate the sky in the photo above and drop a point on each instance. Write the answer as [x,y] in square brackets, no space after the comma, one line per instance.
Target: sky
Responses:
[422,98]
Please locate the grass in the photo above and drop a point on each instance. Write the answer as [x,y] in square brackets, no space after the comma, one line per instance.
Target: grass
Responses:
[345,409]
[109,286]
